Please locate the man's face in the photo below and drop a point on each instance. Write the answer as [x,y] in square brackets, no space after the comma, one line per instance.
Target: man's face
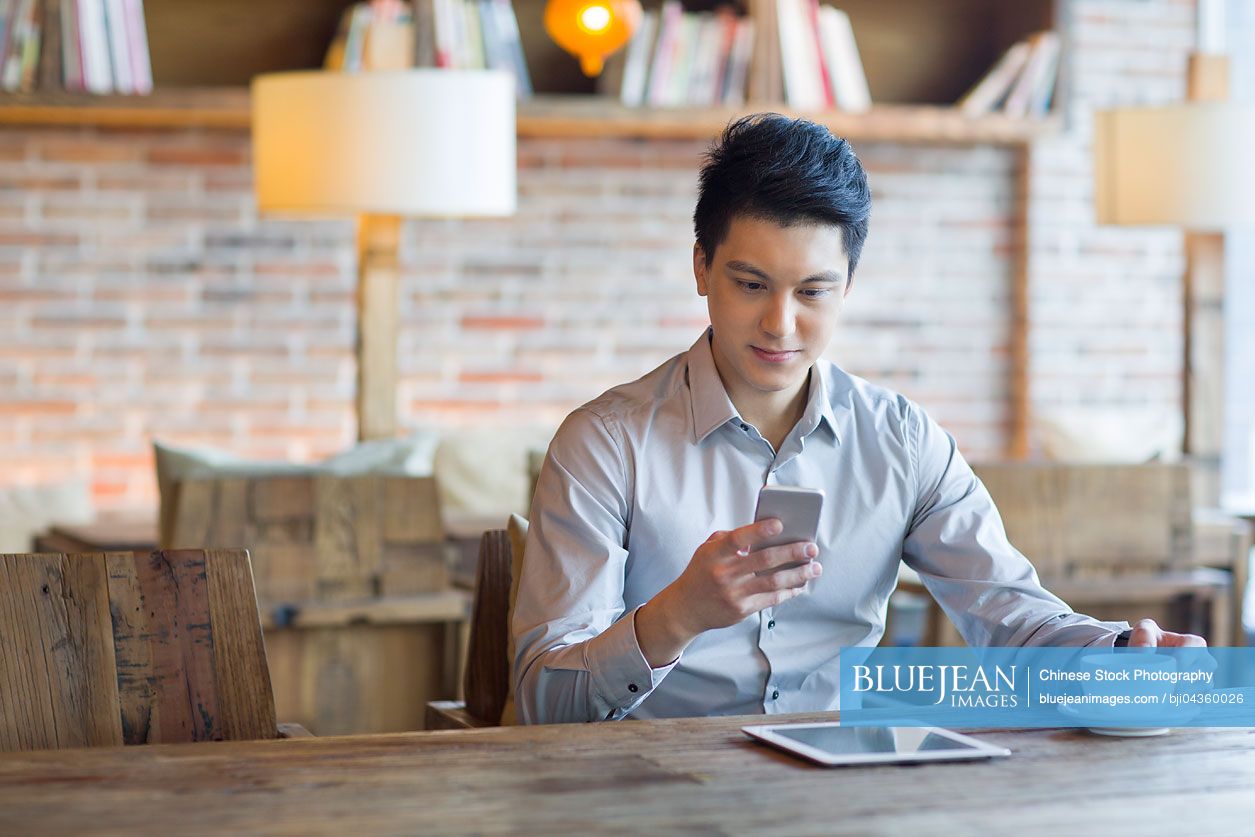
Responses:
[774,294]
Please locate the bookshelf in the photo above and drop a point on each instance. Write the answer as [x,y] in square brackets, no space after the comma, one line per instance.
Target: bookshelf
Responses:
[920,56]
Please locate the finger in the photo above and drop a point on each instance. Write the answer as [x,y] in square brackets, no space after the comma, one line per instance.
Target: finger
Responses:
[787,579]
[743,539]
[774,557]
[773,598]
[1173,640]
[1146,634]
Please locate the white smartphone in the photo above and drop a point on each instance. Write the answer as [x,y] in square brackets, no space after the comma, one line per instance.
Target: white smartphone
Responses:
[796,508]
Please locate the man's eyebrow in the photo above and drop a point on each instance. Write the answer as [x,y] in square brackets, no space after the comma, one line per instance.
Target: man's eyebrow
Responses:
[746,267]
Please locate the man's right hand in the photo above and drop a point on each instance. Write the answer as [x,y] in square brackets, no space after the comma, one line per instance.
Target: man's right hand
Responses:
[723,583]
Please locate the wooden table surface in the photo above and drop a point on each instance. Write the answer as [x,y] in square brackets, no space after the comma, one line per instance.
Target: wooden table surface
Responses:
[631,777]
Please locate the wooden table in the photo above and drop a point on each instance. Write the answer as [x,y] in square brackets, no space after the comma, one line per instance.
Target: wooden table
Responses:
[634,777]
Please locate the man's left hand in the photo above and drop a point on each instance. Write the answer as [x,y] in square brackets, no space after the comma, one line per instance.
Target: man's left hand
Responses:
[1148,634]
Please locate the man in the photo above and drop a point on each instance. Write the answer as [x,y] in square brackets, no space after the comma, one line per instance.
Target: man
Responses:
[628,605]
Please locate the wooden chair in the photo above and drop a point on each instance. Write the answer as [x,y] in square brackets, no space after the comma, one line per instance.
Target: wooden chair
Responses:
[487,679]
[318,537]
[1116,542]
[361,625]
[125,648]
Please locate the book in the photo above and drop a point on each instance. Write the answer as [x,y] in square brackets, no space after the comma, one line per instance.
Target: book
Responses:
[637,59]
[664,52]
[33,46]
[507,26]
[800,63]
[735,86]
[16,36]
[766,77]
[849,82]
[472,37]
[725,26]
[48,76]
[424,33]
[97,72]
[71,48]
[119,56]
[987,93]
[137,43]
[1043,91]
[682,67]
[389,45]
[7,9]
[825,77]
[334,58]
[1042,45]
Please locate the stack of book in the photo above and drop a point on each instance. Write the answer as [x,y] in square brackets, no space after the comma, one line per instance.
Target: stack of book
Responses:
[819,64]
[683,59]
[791,51]
[454,34]
[94,46]
[1022,83]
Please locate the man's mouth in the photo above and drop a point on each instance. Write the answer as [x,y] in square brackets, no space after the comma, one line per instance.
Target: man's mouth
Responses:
[775,356]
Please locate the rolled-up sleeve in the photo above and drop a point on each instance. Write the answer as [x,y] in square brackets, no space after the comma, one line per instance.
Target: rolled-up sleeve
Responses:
[577,657]
[957,544]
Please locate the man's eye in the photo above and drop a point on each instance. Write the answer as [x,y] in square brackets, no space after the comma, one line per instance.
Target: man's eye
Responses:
[815,293]
[750,286]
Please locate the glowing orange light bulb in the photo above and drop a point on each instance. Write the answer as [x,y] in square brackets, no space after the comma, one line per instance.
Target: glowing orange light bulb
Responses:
[591,29]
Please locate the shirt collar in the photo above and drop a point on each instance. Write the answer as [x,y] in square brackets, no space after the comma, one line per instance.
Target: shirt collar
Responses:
[712,408]
[818,410]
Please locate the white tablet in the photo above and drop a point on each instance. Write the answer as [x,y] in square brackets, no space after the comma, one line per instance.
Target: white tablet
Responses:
[833,745]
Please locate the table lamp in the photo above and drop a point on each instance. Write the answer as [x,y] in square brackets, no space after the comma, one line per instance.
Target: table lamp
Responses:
[1188,165]
[380,146]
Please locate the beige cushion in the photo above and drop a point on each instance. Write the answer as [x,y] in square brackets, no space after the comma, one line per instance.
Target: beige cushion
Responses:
[27,510]
[1109,435]
[483,472]
[410,456]
[516,528]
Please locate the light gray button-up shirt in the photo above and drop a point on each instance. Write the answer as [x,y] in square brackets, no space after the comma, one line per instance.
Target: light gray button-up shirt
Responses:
[637,479]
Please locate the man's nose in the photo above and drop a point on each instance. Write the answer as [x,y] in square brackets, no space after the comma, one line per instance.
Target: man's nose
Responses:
[778,320]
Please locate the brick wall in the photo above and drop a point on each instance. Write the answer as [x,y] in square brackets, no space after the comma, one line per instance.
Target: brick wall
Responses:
[142,297]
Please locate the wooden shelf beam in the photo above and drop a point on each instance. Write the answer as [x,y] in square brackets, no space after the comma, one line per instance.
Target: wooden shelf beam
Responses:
[546,116]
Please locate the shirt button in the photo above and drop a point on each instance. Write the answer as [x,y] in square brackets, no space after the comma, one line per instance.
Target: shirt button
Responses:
[775,694]
[633,688]
[771,624]
[745,427]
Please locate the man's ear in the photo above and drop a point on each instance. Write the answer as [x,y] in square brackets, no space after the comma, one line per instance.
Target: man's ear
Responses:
[699,269]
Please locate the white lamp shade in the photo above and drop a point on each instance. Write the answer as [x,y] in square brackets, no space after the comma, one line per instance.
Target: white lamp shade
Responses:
[426,143]
[1189,165]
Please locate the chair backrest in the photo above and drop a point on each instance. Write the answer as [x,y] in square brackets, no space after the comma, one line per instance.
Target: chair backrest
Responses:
[320,537]
[487,680]
[125,648]
[1075,520]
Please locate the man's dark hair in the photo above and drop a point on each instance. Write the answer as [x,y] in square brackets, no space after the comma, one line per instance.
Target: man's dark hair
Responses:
[788,171]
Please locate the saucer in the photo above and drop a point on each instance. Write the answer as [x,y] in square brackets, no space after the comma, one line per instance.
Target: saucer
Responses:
[1098,721]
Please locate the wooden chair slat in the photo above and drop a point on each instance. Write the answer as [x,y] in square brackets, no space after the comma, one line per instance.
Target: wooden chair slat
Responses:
[57,676]
[240,670]
[119,648]
[487,668]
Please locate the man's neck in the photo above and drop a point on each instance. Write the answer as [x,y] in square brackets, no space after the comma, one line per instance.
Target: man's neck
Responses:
[775,413]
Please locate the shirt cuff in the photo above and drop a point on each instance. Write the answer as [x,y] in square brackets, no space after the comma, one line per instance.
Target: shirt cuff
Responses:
[621,674]
[1108,640]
